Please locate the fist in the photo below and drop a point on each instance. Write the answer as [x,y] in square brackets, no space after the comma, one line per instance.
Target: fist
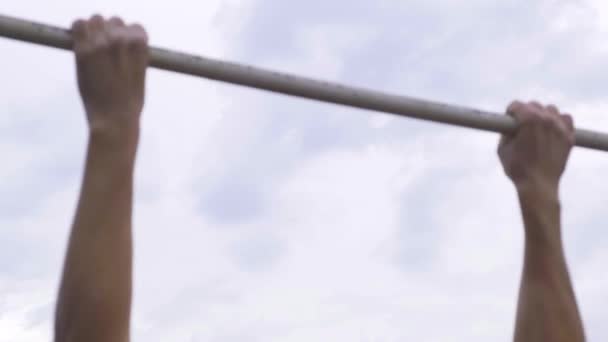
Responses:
[111,61]
[537,152]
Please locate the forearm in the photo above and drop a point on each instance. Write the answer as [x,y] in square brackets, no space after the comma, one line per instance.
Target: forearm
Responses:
[95,292]
[547,309]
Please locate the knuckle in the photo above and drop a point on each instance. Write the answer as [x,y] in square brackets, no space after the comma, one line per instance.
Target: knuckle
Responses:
[96,18]
[535,107]
[138,41]
[533,118]
[115,20]
[514,106]
[547,121]
[78,25]
[533,113]
[546,117]
[137,27]
[517,103]
[552,110]
[526,108]
[139,31]
[116,38]
[530,113]
[138,44]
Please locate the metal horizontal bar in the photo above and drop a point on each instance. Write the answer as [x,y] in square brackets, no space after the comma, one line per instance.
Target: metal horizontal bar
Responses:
[283,83]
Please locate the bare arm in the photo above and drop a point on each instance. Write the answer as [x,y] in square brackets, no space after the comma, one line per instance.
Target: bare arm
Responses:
[535,158]
[94,299]
[547,305]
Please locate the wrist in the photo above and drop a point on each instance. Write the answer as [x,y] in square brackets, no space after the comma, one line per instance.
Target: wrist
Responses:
[539,199]
[541,210]
[538,190]
[113,147]
[114,138]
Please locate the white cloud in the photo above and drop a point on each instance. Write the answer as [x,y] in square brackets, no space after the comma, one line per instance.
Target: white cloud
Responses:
[262,217]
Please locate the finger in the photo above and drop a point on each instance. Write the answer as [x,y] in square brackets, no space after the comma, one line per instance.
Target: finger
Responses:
[139,32]
[138,45]
[552,109]
[569,122]
[114,29]
[558,121]
[138,40]
[96,23]
[514,107]
[567,119]
[96,30]
[539,112]
[116,21]
[117,39]
[79,33]
[520,111]
[79,29]
[536,105]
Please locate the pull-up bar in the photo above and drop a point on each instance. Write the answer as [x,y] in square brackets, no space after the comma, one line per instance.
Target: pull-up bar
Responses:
[297,86]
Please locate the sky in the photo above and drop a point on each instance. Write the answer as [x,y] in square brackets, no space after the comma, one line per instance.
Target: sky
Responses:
[262,217]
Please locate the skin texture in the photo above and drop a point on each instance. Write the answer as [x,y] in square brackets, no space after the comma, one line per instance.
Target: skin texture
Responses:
[535,158]
[94,300]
